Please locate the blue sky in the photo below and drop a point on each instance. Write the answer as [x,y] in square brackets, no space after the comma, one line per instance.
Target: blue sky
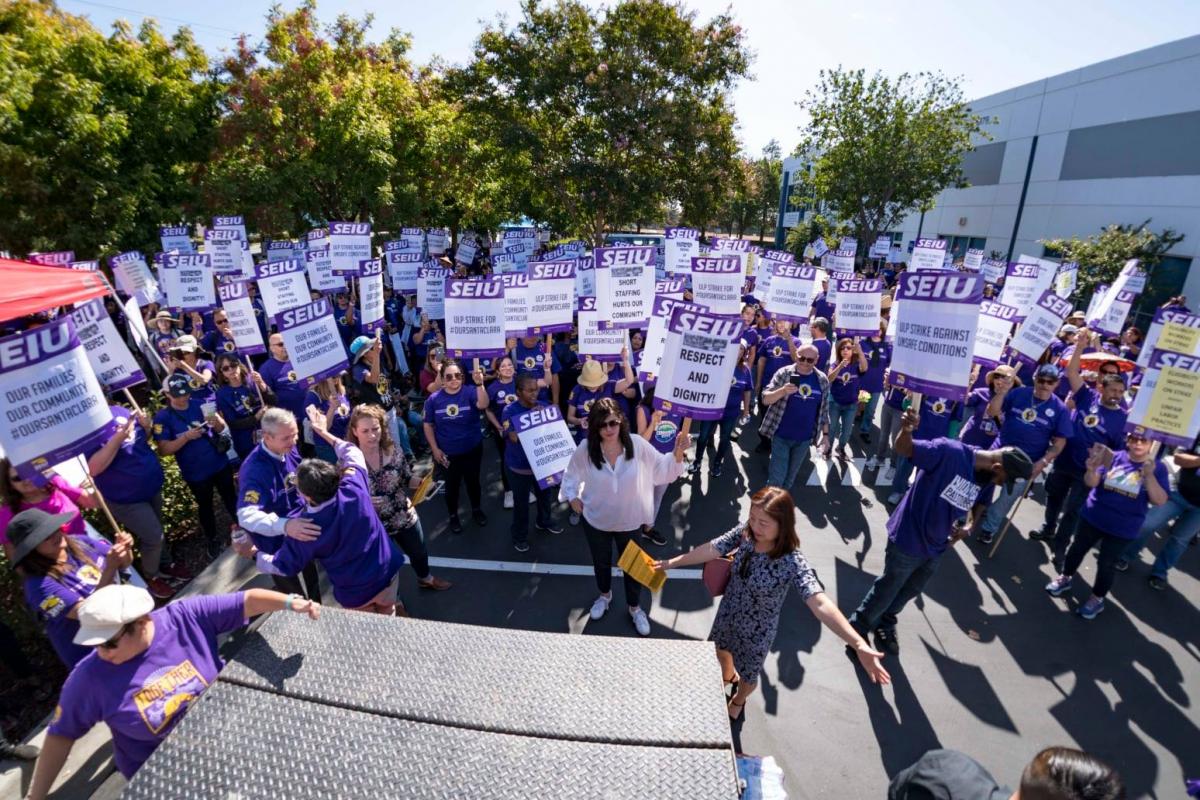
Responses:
[992,46]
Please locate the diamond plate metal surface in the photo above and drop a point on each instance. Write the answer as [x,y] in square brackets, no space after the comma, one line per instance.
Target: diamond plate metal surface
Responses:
[239,743]
[586,688]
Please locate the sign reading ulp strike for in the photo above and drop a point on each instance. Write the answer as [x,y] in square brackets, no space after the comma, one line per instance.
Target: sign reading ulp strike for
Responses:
[551,295]
[792,290]
[54,407]
[313,343]
[995,323]
[624,286]
[936,324]
[717,285]
[475,318]
[858,307]
[547,443]
[698,361]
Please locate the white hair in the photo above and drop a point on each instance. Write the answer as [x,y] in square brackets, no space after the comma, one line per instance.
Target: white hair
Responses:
[273,419]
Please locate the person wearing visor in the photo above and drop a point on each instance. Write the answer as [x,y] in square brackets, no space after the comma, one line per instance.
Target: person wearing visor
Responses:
[146,669]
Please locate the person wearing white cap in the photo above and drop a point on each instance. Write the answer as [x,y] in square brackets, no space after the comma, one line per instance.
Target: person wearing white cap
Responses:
[184,357]
[146,669]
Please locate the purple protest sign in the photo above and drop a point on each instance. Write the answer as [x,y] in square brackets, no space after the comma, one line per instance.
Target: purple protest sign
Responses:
[313,342]
[1112,312]
[858,306]
[1040,327]
[134,278]
[349,243]
[995,324]
[224,248]
[928,254]
[239,310]
[191,287]
[175,238]
[551,296]
[370,295]
[55,408]
[431,289]
[516,303]
[320,271]
[547,443]
[60,258]
[680,246]
[698,361]
[282,285]
[475,318]
[235,223]
[1165,406]
[624,286]
[993,270]
[596,342]
[1024,283]
[936,324]
[671,287]
[1164,316]
[403,269]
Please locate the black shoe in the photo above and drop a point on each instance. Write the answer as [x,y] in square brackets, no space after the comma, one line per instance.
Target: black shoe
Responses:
[1121,566]
[1041,535]
[886,642]
[455,525]
[715,470]
[521,547]
[985,537]
[864,437]
[479,517]
[654,536]
[18,752]
[551,528]
[1157,583]
[694,469]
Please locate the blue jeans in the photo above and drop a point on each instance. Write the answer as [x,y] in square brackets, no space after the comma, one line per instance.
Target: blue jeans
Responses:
[400,429]
[841,422]
[787,457]
[708,430]
[869,414]
[999,508]
[1187,525]
[904,470]
[904,577]
[522,484]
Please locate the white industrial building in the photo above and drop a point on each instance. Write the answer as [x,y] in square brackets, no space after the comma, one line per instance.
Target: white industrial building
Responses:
[1114,142]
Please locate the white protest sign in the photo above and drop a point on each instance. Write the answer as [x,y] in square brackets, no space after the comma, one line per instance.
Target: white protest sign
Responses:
[1097,298]
[134,278]
[601,344]
[413,239]
[819,248]
[1066,278]
[475,318]
[585,277]
[1040,327]
[175,238]
[349,243]
[239,310]
[681,246]
[881,247]
[973,260]
[316,239]
[403,269]
[995,324]
[54,407]
[1025,282]
[193,278]
[624,286]
[838,261]
[313,343]
[656,335]
[699,357]
[114,365]
[547,442]
[793,288]
[224,249]
[739,248]
[247,262]
[141,337]
[1109,313]
[516,303]
[235,223]
[370,294]
[551,297]
[849,244]
[282,285]
[1135,277]
[437,241]
[928,254]
[858,307]
[466,250]
[320,271]
[993,270]
[935,332]
[1175,316]
[717,285]
[431,290]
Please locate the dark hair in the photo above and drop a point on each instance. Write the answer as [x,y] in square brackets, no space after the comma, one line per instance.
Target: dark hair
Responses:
[452,362]
[220,362]
[36,565]
[820,324]
[523,379]
[1136,331]
[317,480]
[1111,378]
[506,357]
[1063,773]
[601,410]
[648,398]
[777,504]
[8,493]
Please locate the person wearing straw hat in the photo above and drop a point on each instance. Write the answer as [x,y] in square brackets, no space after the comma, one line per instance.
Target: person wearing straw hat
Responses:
[146,669]
[185,358]
[981,428]
[59,572]
[593,383]
[163,329]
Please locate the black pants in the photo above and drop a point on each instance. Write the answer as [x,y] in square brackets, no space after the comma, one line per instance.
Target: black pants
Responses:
[310,589]
[1111,547]
[222,482]
[1065,493]
[463,467]
[601,544]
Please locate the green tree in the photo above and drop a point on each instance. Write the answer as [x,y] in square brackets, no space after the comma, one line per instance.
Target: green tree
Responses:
[99,136]
[884,147]
[1101,256]
[768,178]
[815,226]
[704,184]
[598,113]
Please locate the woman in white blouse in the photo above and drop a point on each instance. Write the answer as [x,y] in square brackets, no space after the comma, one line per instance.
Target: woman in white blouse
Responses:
[610,483]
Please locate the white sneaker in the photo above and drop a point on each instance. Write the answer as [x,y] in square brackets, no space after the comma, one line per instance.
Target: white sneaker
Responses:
[872,463]
[640,621]
[600,606]
[508,500]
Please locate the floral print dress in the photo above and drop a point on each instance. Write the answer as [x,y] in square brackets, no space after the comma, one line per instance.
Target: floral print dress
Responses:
[748,616]
[389,485]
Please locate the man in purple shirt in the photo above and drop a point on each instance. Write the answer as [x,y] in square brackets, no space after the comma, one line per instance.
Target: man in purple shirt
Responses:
[934,513]
[278,374]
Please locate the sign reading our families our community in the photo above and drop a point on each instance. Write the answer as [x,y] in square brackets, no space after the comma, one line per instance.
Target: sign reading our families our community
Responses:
[547,443]
[313,343]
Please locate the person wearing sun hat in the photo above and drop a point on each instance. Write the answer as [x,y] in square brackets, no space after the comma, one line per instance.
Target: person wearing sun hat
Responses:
[980,428]
[593,384]
[146,670]
[163,330]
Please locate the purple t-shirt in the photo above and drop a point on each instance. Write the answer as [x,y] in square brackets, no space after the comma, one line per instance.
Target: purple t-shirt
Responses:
[340,422]
[980,429]
[143,699]
[821,307]
[269,484]
[281,378]
[135,474]
[514,453]
[799,421]
[879,357]
[582,399]
[663,437]
[943,491]
[1093,423]
[501,395]
[936,416]
[824,348]
[844,386]
[894,398]
[51,600]
[1030,424]
[1119,503]
[455,420]
[774,354]
[742,382]
[198,459]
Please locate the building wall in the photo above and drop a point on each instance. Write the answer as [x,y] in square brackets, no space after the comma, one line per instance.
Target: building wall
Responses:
[1115,142]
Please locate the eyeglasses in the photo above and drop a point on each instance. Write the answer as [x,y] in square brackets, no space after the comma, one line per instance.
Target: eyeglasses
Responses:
[452,376]
[1047,380]
[611,423]
[112,643]
[229,368]
[806,360]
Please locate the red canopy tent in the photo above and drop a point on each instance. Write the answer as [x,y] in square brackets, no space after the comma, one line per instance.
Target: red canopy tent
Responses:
[29,288]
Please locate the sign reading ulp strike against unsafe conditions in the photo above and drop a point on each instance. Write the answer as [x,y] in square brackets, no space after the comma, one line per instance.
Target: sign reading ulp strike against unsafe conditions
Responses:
[547,443]
[349,243]
[624,286]
[698,361]
[936,324]
[475,318]
[54,407]
[313,343]
[995,324]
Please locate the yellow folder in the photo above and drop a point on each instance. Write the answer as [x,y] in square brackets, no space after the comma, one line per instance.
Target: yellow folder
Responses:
[640,566]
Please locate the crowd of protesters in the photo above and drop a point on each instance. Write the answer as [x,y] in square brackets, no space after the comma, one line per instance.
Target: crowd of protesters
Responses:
[324,476]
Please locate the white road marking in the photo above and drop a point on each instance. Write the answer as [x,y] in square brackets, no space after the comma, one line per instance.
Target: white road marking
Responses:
[539,568]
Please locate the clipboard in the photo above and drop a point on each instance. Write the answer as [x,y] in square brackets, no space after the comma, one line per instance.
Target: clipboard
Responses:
[638,565]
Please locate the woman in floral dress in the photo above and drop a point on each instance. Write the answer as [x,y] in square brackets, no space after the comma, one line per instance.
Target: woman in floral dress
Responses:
[766,563]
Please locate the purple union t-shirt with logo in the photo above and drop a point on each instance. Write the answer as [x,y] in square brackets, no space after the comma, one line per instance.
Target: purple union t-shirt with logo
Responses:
[1118,505]
[943,491]
[455,420]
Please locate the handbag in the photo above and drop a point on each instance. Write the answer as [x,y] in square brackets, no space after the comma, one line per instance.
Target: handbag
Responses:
[716,574]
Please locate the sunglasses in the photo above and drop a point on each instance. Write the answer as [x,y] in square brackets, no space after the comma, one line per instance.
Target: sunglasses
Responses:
[112,643]
[806,360]
[1047,380]
[229,368]
[452,376]
[612,423]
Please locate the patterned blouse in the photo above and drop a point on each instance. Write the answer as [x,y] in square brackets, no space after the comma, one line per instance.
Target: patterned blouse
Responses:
[388,488]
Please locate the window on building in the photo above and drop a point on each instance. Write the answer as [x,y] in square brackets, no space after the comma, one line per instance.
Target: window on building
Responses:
[1137,148]
[959,245]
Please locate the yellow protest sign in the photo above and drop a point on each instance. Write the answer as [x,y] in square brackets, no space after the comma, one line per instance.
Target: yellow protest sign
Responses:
[1173,402]
[640,566]
[1179,339]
